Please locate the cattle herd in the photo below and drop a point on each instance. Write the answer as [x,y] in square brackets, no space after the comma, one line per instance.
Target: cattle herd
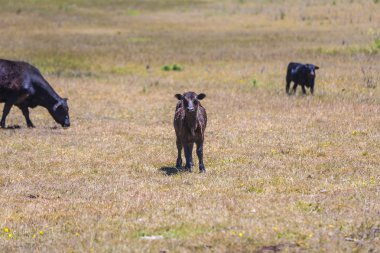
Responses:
[22,85]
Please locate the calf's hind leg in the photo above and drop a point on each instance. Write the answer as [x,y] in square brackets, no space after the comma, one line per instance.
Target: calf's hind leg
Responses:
[202,168]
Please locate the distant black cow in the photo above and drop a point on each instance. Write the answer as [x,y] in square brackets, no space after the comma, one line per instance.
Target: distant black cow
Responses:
[300,74]
[190,120]
[22,85]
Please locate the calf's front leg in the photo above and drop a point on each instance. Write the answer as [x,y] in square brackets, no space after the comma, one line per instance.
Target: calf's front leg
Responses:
[178,164]
[191,145]
[294,88]
[287,88]
[25,112]
[188,155]
[303,90]
[6,110]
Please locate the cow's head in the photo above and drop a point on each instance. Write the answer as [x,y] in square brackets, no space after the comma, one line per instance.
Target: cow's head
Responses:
[311,69]
[190,101]
[60,112]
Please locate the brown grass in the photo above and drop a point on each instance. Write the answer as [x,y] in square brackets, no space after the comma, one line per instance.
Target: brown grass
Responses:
[283,173]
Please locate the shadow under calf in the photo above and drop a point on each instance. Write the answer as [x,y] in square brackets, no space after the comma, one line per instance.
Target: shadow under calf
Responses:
[170,170]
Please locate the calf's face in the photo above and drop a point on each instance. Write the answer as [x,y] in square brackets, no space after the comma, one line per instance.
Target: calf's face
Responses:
[190,101]
[311,70]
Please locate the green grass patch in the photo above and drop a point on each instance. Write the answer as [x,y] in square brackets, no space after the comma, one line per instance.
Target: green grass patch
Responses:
[309,207]
[369,49]
[132,13]
[254,189]
[119,70]
[61,64]
[127,69]
[178,232]
[377,44]
[166,68]
[177,67]
[174,67]
[293,235]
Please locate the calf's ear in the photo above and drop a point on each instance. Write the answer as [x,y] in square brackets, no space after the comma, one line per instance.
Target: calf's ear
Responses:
[201,96]
[178,96]
[316,67]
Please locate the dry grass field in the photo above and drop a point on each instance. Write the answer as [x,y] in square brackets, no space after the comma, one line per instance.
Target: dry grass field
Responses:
[289,174]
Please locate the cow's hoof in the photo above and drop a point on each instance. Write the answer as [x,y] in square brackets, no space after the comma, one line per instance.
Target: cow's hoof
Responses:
[178,164]
[202,169]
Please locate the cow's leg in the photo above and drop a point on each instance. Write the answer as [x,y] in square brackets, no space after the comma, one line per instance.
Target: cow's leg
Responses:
[202,168]
[191,154]
[312,90]
[25,112]
[303,90]
[6,110]
[294,88]
[288,86]
[188,151]
[178,164]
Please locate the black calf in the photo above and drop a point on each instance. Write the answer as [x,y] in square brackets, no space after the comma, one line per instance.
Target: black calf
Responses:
[300,74]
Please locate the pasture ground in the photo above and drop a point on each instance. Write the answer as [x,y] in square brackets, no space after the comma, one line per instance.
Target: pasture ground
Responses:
[297,174]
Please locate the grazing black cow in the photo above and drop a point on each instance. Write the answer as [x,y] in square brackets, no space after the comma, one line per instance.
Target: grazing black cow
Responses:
[300,74]
[22,84]
[190,120]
